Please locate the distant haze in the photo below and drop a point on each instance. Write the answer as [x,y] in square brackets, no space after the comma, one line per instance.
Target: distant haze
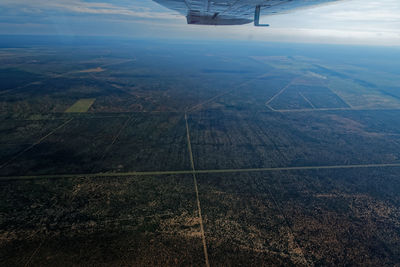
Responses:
[346,22]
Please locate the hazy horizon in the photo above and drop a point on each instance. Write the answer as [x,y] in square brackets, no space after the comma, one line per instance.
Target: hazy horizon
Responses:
[345,22]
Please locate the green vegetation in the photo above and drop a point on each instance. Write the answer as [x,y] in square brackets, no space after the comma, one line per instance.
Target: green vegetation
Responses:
[82,105]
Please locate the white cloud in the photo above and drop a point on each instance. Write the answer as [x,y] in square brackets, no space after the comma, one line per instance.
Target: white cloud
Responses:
[79,6]
[347,21]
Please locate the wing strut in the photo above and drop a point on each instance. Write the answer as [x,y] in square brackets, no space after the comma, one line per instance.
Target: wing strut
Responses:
[257,18]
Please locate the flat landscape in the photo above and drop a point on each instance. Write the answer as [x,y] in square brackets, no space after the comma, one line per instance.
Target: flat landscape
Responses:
[130,153]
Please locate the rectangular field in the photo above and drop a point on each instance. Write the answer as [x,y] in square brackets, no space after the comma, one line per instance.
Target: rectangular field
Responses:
[82,105]
[299,96]
[138,142]
[229,140]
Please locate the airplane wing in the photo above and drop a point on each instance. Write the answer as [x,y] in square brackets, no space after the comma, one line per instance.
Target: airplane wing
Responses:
[234,12]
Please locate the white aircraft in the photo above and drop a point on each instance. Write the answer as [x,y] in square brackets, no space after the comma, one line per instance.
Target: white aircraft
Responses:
[235,12]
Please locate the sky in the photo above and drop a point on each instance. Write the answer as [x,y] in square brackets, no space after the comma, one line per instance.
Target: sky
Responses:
[364,22]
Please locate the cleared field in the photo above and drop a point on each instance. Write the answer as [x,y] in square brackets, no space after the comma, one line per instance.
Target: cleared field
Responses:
[82,105]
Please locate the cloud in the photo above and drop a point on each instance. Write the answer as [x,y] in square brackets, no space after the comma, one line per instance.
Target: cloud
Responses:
[81,7]
[347,21]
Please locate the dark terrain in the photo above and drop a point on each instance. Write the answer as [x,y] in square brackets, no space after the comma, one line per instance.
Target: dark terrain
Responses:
[108,148]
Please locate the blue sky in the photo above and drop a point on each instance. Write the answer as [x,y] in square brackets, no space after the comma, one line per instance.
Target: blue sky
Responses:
[346,22]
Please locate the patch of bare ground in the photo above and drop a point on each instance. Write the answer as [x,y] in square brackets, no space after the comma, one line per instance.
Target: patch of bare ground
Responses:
[252,225]
[185,225]
[7,236]
[346,228]
[93,70]
[367,207]
[295,252]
